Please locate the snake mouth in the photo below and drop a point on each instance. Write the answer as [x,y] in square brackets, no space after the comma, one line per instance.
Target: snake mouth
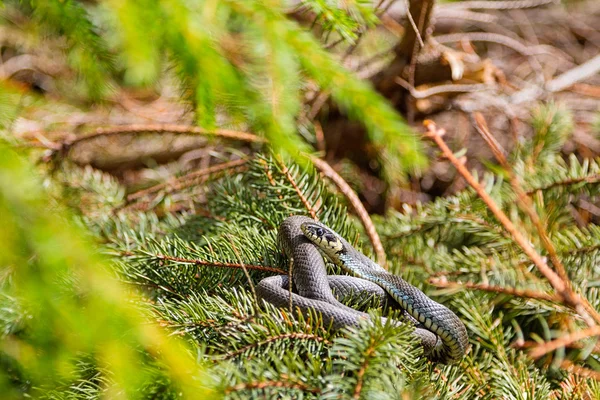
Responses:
[324,238]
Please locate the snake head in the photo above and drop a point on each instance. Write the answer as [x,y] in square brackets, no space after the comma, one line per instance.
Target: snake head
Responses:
[324,238]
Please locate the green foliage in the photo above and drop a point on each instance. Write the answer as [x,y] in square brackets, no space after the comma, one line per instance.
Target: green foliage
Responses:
[372,356]
[63,314]
[347,21]
[241,64]
[552,126]
[68,329]
[87,51]
[10,99]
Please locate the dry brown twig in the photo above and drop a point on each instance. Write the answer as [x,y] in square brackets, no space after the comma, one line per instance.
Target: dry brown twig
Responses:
[564,341]
[441,89]
[562,288]
[525,293]
[69,139]
[285,170]
[499,5]
[524,200]
[174,184]
[355,202]
[193,261]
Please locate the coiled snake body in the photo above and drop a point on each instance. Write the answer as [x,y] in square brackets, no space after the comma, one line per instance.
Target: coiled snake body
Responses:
[442,334]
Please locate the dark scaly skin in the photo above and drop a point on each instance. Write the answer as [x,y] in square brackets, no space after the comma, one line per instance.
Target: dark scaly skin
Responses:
[314,291]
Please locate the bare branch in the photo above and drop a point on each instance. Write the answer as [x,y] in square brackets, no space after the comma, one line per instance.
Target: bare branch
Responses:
[562,288]
[564,341]
[530,294]
[355,202]
[574,75]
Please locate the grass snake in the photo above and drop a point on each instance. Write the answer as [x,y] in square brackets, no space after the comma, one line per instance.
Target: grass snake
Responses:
[442,334]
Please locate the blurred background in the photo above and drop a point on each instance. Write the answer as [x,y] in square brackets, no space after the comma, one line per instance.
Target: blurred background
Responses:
[68,68]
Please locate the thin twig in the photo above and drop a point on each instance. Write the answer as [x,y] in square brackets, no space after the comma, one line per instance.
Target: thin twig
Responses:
[569,297]
[525,293]
[290,178]
[272,384]
[497,38]
[500,5]
[416,49]
[564,341]
[527,205]
[497,149]
[237,254]
[440,89]
[218,264]
[586,90]
[574,75]
[293,335]
[155,128]
[454,14]
[413,24]
[355,202]
[172,183]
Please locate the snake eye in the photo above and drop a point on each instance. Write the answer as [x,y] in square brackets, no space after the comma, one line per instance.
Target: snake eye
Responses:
[320,232]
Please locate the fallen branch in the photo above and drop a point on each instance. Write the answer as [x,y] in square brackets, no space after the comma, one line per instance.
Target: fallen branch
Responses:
[525,293]
[440,89]
[586,70]
[173,184]
[561,287]
[564,341]
[500,5]
[71,140]
[356,204]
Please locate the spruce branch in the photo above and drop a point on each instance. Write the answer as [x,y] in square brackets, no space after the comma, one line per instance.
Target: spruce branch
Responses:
[355,202]
[594,178]
[272,384]
[524,200]
[371,359]
[562,288]
[283,336]
[579,370]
